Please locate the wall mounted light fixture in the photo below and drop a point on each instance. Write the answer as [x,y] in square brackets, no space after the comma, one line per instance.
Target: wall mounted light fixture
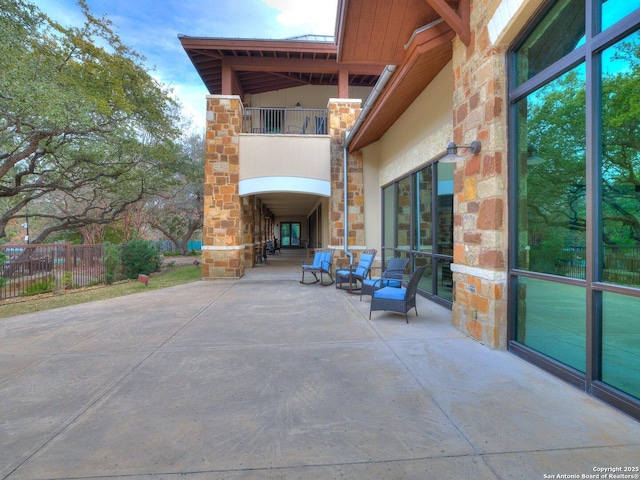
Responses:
[532,155]
[452,151]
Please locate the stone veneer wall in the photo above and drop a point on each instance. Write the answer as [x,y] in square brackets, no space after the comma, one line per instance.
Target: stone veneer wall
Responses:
[480,221]
[223,251]
[342,116]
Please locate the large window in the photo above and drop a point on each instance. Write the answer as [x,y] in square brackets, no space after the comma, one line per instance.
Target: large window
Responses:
[575,196]
[418,224]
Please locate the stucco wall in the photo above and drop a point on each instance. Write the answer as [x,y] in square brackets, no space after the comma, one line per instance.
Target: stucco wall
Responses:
[309,96]
[421,133]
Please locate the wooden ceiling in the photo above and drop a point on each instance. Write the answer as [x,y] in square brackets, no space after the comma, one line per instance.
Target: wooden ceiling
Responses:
[427,55]
[414,35]
[376,31]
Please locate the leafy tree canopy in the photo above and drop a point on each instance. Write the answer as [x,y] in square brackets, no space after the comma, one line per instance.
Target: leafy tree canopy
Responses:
[85,130]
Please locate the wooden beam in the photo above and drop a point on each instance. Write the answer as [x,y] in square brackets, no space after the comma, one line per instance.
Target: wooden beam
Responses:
[305,65]
[459,23]
[227,80]
[343,83]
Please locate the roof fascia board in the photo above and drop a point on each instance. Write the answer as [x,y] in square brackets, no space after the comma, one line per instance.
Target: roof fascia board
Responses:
[210,43]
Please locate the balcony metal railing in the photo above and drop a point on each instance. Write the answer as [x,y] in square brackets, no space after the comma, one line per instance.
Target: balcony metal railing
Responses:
[296,121]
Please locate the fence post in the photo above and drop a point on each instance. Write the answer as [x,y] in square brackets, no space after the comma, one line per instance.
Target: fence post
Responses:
[67,258]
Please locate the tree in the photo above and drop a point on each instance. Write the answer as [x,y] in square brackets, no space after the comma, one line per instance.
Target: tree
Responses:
[179,213]
[84,128]
[556,190]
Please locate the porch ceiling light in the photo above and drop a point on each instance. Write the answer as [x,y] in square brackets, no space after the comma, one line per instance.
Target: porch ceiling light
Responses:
[452,151]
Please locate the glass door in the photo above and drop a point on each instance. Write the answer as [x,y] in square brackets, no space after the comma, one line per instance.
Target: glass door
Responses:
[290,234]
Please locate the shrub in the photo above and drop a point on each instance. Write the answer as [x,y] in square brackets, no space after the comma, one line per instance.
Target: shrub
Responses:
[111,262]
[40,286]
[140,257]
[3,259]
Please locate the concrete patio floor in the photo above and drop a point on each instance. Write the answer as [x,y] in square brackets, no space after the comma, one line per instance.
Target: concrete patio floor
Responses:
[265,378]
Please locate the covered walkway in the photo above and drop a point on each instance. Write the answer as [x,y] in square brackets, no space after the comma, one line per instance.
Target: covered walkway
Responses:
[264,378]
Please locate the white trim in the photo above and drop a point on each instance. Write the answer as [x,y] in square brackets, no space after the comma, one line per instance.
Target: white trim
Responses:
[220,247]
[311,186]
[491,275]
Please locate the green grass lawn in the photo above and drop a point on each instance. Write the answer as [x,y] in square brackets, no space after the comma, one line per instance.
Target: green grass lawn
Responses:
[171,276]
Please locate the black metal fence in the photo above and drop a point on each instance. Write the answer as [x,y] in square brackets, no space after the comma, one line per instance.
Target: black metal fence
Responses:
[621,264]
[33,269]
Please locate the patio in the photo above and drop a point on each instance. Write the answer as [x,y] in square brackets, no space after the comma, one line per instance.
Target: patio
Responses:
[266,378]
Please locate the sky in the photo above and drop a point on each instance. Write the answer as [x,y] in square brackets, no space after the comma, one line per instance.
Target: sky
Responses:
[151,28]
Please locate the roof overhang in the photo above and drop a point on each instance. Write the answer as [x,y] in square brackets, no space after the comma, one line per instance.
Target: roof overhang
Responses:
[428,52]
[249,66]
[413,35]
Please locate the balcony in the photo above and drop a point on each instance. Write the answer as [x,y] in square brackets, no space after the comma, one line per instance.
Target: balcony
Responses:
[288,121]
[285,150]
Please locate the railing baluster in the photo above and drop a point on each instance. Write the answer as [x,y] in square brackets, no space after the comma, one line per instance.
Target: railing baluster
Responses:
[271,120]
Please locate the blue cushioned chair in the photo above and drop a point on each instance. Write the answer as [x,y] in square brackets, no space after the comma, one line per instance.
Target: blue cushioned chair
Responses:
[322,264]
[399,300]
[391,277]
[355,274]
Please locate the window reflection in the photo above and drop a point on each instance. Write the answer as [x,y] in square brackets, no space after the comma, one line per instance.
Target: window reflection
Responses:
[620,203]
[615,10]
[560,32]
[620,340]
[403,213]
[389,217]
[445,208]
[552,189]
[423,240]
[551,320]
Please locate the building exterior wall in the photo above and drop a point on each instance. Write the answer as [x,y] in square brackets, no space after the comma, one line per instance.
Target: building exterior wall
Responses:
[235,227]
[421,133]
[480,186]
[299,163]
[480,201]
[417,137]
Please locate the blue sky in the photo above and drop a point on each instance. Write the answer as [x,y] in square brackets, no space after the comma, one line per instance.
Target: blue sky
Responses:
[151,28]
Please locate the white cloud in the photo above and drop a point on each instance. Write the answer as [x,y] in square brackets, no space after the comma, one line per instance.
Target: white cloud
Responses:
[151,29]
[316,16]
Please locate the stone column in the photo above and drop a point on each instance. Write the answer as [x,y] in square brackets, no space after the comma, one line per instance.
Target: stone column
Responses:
[222,238]
[480,184]
[248,205]
[343,114]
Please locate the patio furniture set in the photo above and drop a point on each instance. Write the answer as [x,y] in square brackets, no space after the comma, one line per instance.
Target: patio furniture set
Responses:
[391,291]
